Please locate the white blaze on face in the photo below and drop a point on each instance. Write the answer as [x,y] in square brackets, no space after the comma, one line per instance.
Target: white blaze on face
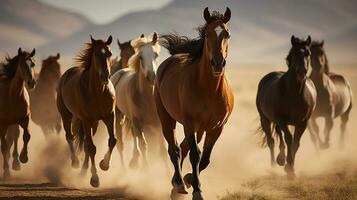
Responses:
[149,58]
[28,63]
[218,30]
[102,50]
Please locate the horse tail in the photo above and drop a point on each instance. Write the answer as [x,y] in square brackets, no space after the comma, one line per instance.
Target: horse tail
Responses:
[263,137]
[177,44]
[78,134]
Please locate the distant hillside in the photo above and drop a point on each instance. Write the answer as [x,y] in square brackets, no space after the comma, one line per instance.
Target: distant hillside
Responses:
[30,24]
[260,29]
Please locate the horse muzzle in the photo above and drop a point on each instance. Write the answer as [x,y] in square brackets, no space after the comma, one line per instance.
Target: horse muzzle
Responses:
[218,66]
[31,84]
[151,77]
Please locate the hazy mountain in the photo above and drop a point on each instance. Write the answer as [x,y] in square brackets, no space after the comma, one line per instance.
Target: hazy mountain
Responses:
[30,24]
[260,30]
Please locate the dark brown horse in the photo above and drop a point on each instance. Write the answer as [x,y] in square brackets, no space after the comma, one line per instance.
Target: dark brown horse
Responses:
[43,105]
[134,87]
[86,93]
[14,101]
[287,98]
[334,97]
[191,88]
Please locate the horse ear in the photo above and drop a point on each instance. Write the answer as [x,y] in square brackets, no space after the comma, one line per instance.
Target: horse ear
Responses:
[142,35]
[308,41]
[207,15]
[19,51]
[322,43]
[58,56]
[119,43]
[92,39]
[293,40]
[109,40]
[154,38]
[227,15]
[32,53]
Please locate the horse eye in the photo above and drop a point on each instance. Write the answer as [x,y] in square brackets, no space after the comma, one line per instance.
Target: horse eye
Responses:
[156,55]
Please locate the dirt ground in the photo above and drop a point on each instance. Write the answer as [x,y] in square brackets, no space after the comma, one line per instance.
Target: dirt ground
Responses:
[239,169]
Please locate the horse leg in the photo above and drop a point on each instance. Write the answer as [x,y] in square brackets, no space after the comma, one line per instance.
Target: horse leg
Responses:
[86,160]
[91,148]
[299,130]
[266,126]
[109,122]
[344,120]
[168,125]
[195,157]
[119,133]
[185,148]
[289,167]
[328,128]
[137,129]
[4,150]
[26,138]
[15,154]
[134,161]
[280,159]
[314,133]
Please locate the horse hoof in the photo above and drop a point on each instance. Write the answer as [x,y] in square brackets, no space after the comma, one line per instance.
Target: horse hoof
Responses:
[94,181]
[281,159]
[181,189]
[16,165]
[197,196]
[188,180]
[324,146]
[290,172]
[103,165]
[23,157]
[133,164]
[176,196]
[75,163]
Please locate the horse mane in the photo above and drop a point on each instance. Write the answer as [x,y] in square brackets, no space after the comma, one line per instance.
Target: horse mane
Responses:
[84,57]
[316,44]
[126,44]
[177,44]
[134,60]
[9,66]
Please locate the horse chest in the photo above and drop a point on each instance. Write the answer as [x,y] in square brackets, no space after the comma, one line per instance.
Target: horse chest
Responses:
[214,113]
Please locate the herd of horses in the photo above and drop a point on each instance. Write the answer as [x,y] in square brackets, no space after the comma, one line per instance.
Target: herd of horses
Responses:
[136,94]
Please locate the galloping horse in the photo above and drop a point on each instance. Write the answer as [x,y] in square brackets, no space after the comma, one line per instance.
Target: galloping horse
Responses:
[334,97]
[287,98]
[43,105]
[126,51]
[14,102]
[191,88]
[86,93]
[134,87]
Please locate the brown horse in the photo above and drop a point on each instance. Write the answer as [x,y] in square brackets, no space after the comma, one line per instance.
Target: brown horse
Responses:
[86,93]
[191,88]
[134,87]
[14,101]
[287,98]
[334,97]
[43,105]
[126,51]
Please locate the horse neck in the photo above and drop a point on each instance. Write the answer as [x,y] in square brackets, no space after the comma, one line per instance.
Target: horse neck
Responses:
[294,85]
[209,83]
[17,85]
[48,79]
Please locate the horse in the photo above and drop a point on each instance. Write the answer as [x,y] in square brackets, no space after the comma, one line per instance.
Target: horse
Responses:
[14,102]
[192,89]
[334,97]
[43,105]
[134,87]
[85,92]
[287,98]
[126,51]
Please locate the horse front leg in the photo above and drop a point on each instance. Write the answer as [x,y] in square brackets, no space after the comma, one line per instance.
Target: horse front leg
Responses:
[109,122]
[289,166]
[299,130]
[185,148]
[92,150]
[26,138]
[314,133]
[328,128]
[4,150]
[280,159]
[14,130]
[119,133]
[195,158]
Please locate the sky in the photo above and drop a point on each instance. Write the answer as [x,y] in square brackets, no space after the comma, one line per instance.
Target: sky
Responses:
[113,8]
